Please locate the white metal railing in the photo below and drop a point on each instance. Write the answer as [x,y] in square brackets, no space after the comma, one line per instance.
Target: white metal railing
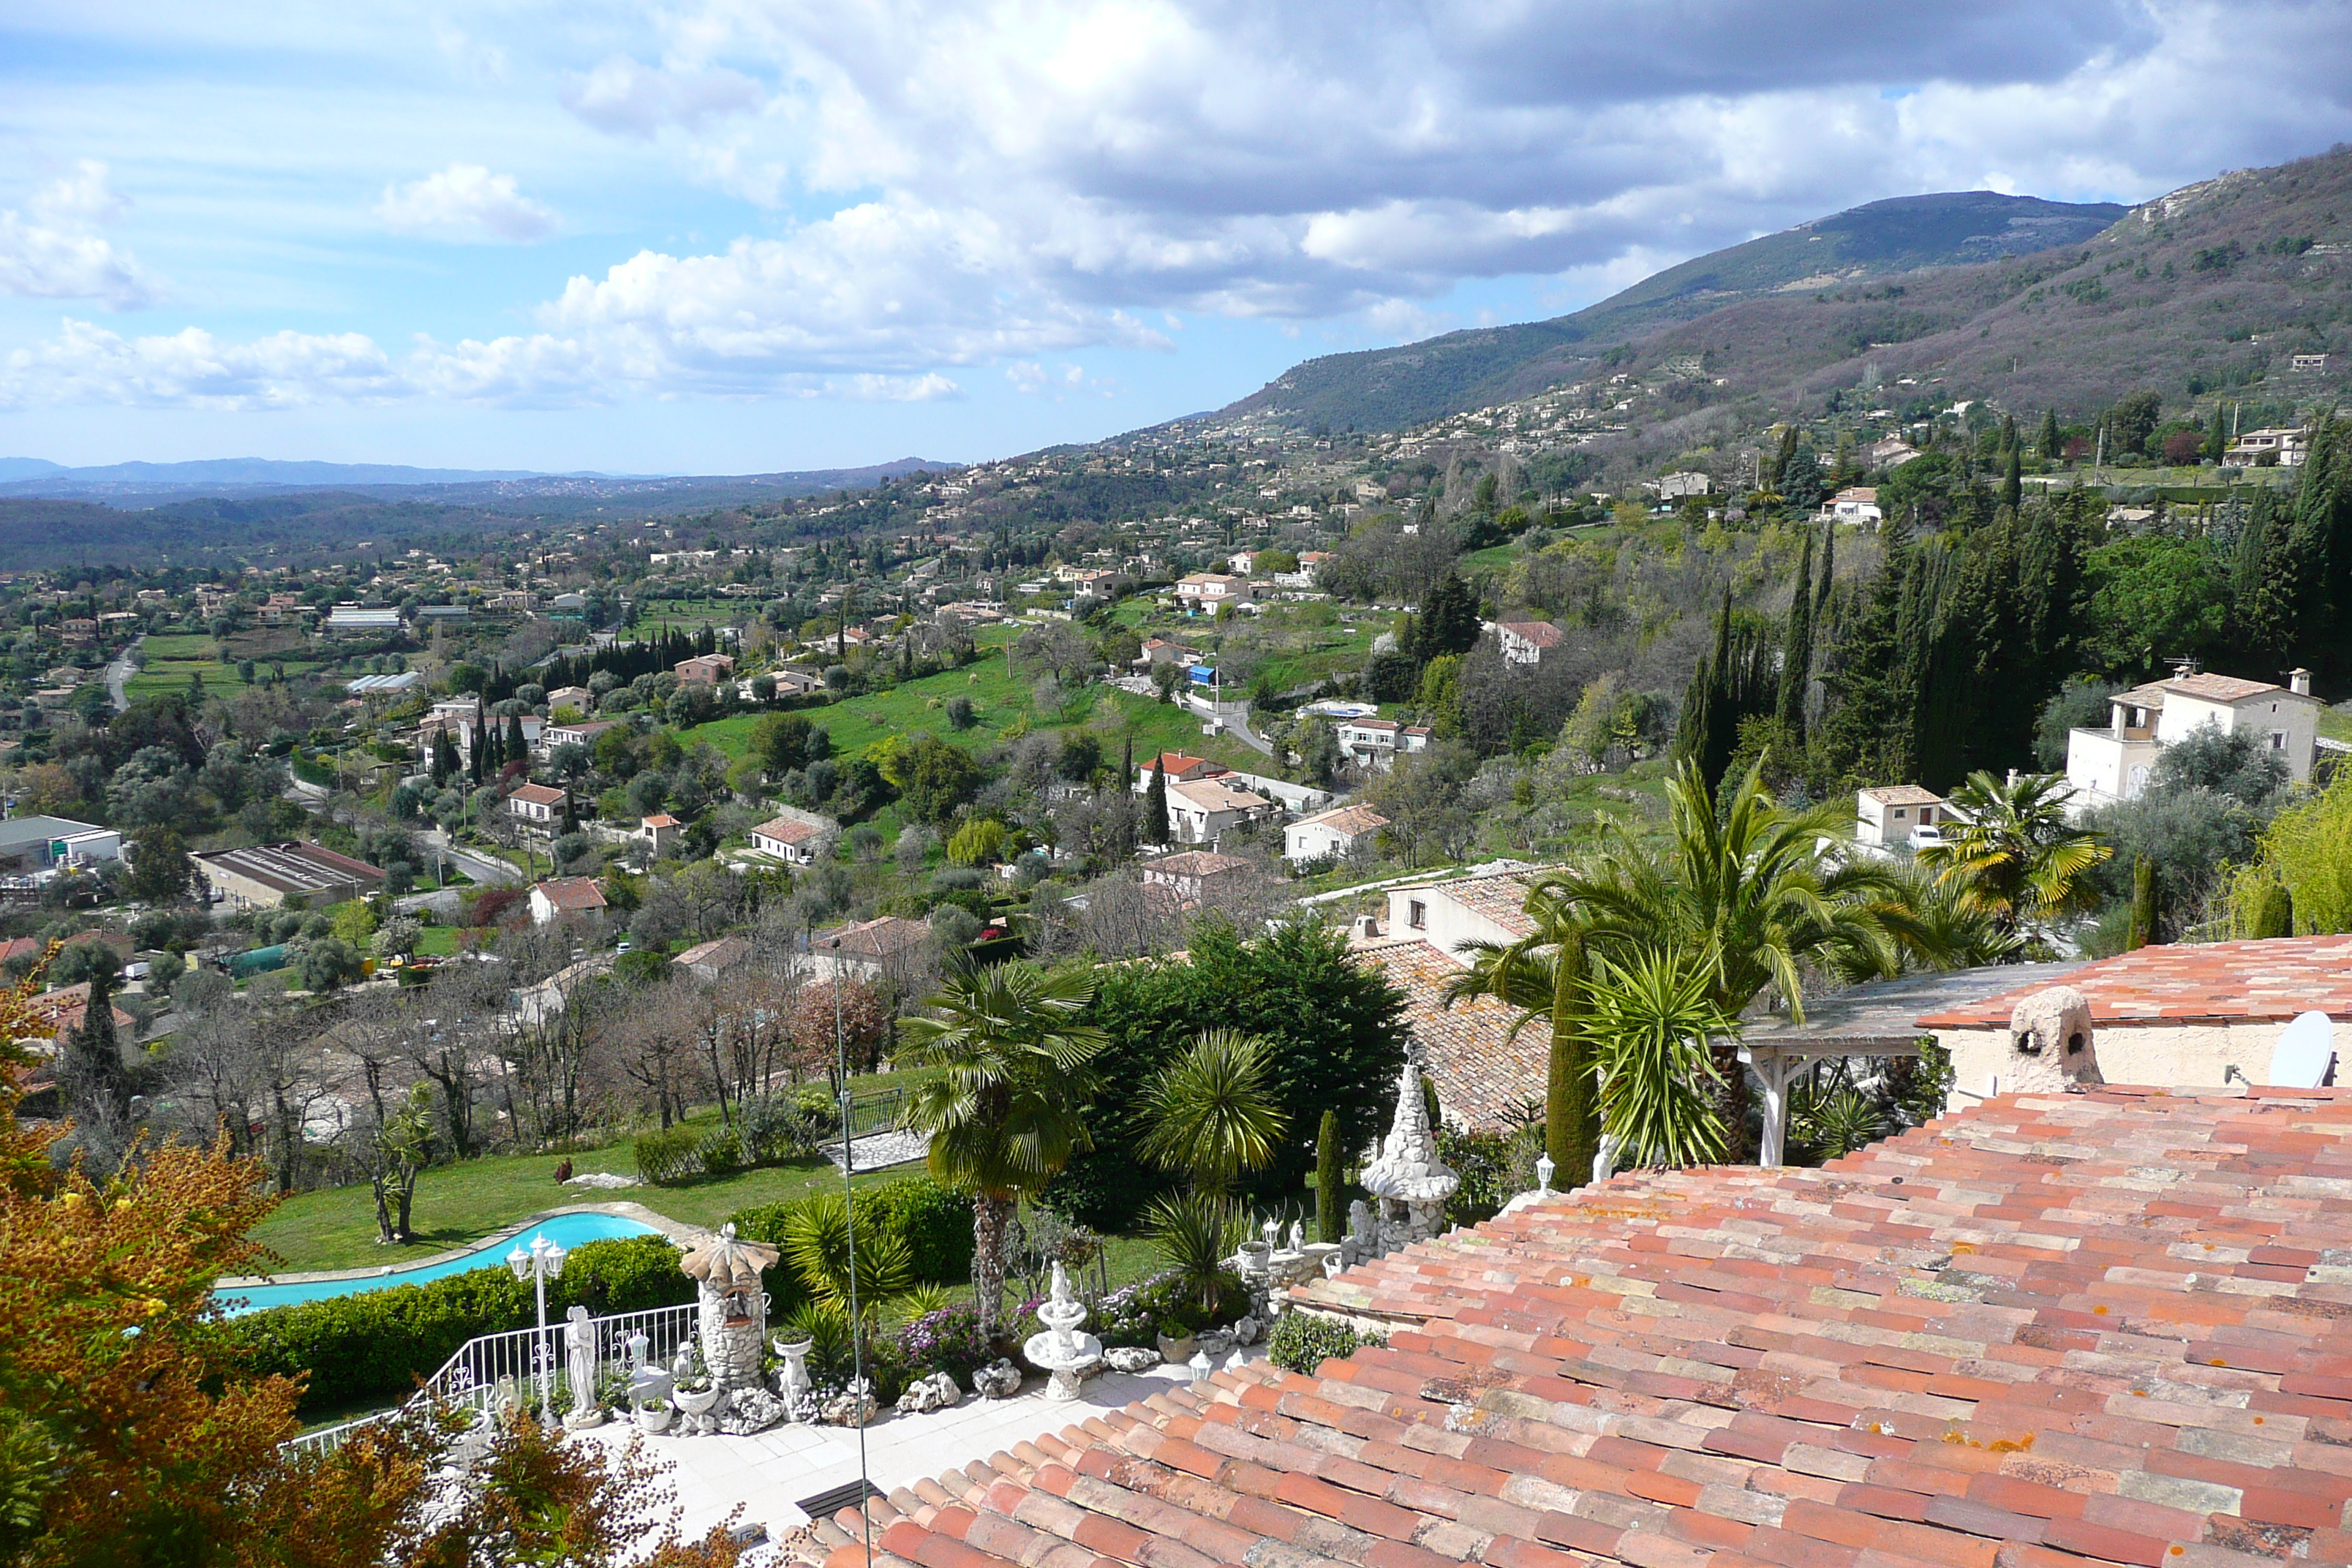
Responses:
[536,1364]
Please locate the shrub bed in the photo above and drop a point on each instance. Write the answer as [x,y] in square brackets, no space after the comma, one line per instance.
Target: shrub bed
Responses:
[1301,1342]
[377,1346]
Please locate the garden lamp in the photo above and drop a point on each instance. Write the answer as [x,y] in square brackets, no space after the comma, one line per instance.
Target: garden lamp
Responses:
[543,1262]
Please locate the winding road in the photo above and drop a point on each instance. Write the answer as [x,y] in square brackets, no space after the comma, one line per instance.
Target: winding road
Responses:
[120,671]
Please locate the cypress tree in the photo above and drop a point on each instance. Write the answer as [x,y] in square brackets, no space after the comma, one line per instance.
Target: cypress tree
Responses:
[1797,649]
[1155,803]
[93,1056]
[1821,585]
[517,747]
[481,746]
[1448,622]
[2013,484]
[1330,1216]
[2143,904]
[2049,438]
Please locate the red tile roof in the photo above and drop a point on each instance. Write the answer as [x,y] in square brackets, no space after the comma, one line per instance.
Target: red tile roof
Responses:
[2106,1328]
[1540,633]
[537,794]
[1481,1072]
[2234,981]
[574,893]
[788,830]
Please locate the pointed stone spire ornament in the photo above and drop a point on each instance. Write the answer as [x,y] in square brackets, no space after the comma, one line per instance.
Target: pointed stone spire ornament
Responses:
[1409,1179]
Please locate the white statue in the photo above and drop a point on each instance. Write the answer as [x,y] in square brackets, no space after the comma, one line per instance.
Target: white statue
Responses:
[580,1360]
[1297,1235]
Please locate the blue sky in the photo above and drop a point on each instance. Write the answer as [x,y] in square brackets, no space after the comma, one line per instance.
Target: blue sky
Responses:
[731,235]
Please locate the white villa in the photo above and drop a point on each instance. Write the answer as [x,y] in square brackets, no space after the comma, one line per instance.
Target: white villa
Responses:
[2110,764]
[1888,817]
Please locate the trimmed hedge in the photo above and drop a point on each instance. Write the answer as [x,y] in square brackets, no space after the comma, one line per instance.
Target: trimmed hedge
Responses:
[1302,1343]
[377,1346]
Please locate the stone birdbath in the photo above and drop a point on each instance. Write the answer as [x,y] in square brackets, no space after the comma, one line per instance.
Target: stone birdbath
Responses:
[1062,1351]
[732,1317]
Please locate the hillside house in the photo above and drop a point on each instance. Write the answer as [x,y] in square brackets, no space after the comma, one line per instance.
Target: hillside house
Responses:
[1375,743]
[2269,447]
[1331,835]
[1891,817]
[1526,642]
[1203,810]
[705,669]
[572,898]
[1856,505]
[583,733]
[1209,590]
[2112,764]
[1891,453]
[789,839]
[659,833]
[1191,873]
[579,699]
[1675,486]
[871,950]
[1159,651]
[710,959]
[536,806]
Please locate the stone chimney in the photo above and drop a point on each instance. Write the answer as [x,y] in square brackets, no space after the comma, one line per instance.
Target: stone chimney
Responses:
[2298,681]
[2050,1044]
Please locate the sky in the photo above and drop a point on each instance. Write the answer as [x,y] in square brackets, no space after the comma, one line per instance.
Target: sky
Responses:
[749,236]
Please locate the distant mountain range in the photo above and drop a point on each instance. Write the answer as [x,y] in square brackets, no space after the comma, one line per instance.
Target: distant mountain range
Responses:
[156,484]
[1387,389]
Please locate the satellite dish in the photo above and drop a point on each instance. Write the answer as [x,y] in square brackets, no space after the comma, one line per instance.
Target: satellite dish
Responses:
[2305,1052]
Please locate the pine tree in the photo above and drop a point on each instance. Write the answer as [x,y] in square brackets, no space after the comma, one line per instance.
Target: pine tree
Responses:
[1155,803]
[96,1079]
[1448,623]
[1796,650]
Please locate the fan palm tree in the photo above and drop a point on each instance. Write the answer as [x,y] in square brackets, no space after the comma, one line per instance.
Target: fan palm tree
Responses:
[1003,1115]
[1751,893]
[2011,852]
[1211,1112]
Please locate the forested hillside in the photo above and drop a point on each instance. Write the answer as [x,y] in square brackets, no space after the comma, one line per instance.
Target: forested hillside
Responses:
[2217,285]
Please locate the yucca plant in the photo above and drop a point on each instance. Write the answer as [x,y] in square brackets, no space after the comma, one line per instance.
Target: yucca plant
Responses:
[1211,1112]
[1648,1022]
[816,1243]
[1194,1233]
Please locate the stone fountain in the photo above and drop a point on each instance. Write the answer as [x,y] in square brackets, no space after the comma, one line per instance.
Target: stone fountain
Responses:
[1409,1179]
[1061,1350]
[732,1321]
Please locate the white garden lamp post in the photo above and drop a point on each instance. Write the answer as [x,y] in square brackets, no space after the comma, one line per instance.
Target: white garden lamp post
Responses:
[542,1263]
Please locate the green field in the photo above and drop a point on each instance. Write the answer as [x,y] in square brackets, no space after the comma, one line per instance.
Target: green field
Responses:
[166,662]
[1000,705]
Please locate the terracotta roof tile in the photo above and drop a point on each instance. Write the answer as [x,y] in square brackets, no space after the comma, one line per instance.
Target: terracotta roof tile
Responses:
[2277,978]
[2114,1327]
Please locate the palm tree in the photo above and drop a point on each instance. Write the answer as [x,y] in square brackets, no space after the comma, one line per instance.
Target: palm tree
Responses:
[2011,853]
[1210,1113]
[1003,1115]
[1750,892]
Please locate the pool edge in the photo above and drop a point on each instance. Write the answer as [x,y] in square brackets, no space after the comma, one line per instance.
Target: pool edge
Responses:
[678,1231]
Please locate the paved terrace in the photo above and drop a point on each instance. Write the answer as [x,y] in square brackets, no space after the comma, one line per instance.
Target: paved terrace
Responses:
[2114,1327]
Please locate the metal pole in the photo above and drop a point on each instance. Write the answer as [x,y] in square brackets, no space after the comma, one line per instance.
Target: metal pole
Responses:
[849,1218]
[546,1350]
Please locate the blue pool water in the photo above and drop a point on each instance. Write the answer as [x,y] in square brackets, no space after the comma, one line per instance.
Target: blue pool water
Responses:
[568,1230]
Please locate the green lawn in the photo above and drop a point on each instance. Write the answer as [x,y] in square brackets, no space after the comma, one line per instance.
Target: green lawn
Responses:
[436,942]
[459,1204]
[166,662]
[1001,703]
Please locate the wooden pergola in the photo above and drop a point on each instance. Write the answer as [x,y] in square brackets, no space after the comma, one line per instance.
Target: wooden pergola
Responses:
[1877,1020]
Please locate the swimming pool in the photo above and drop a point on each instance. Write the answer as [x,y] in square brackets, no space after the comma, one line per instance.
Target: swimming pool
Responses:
[568,1230]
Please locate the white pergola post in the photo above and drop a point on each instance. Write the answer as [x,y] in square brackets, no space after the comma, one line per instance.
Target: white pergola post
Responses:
[1773,1072]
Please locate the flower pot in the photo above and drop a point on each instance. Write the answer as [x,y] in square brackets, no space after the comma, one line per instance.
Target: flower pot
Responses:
[1175,1350]
[654,1418]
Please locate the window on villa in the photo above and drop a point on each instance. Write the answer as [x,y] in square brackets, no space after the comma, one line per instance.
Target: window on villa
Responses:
[1416,914]
[2278,740]
[1900,814]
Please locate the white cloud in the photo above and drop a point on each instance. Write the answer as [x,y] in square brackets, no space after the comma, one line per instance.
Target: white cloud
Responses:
[623,98]
[192,369]
[950,186]
[464,202]
[54,250]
